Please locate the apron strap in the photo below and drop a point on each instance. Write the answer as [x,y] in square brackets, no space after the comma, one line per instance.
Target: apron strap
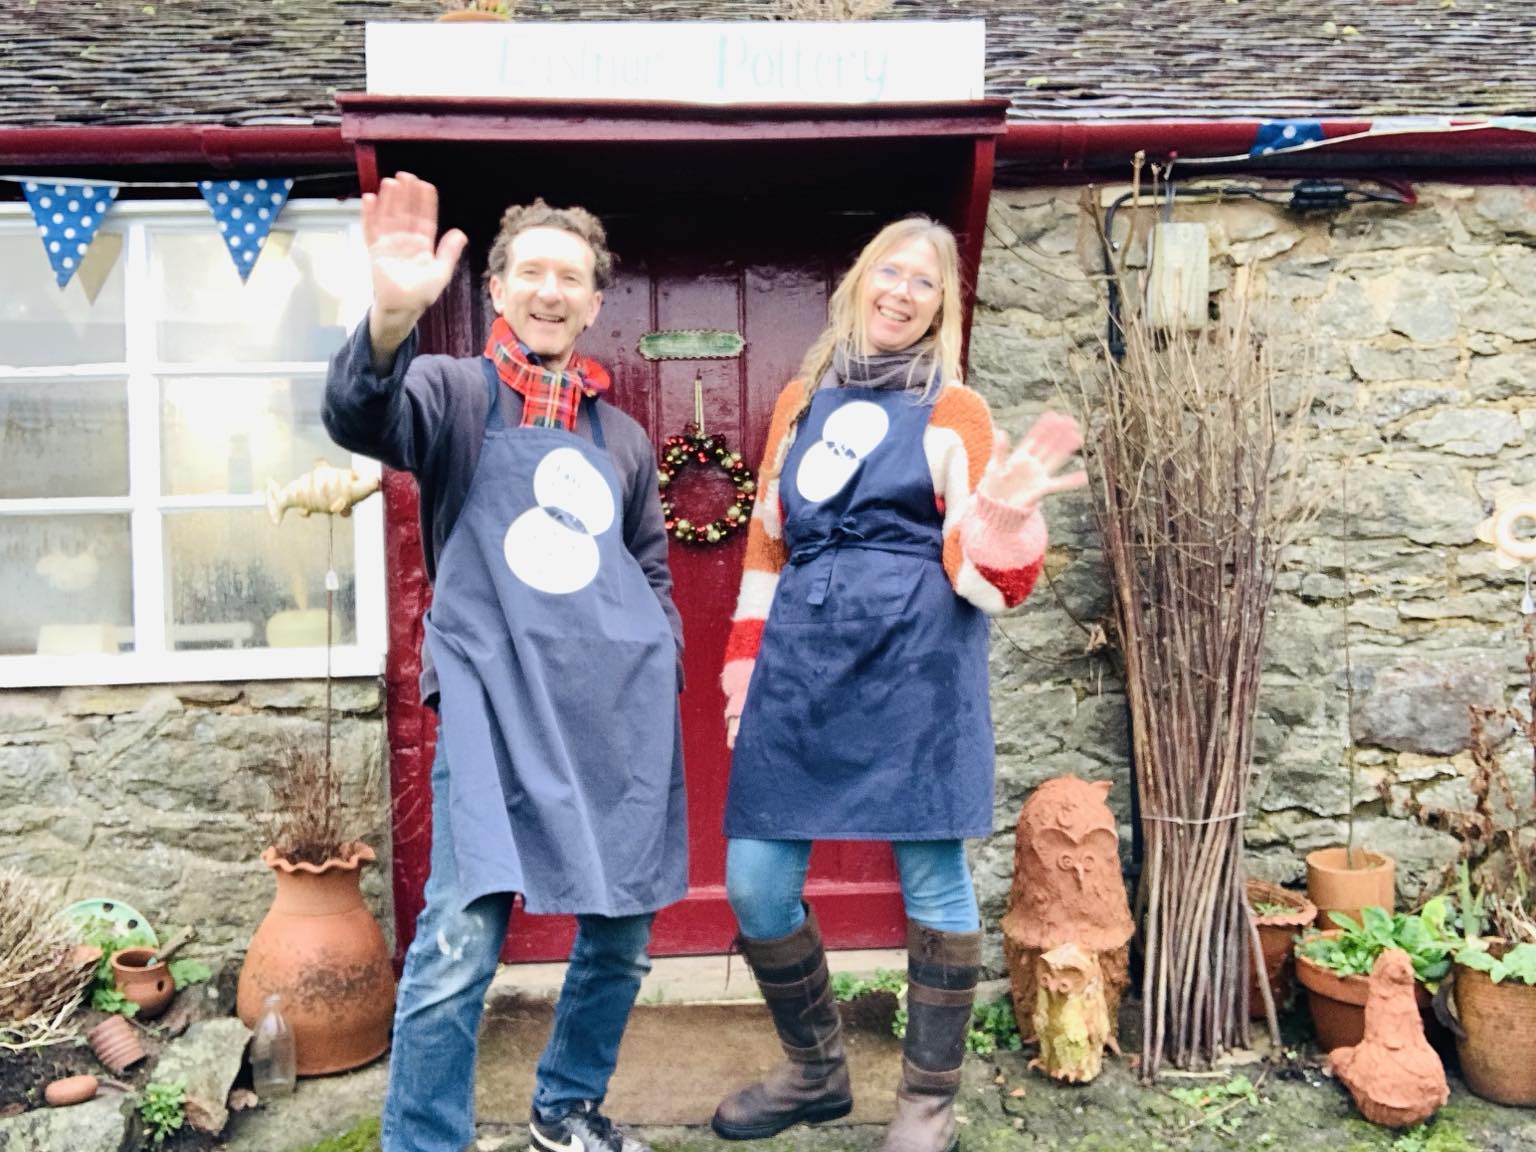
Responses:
[493,382]
[590,403]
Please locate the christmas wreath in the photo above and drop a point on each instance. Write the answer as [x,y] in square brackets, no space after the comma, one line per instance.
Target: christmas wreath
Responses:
[695,447]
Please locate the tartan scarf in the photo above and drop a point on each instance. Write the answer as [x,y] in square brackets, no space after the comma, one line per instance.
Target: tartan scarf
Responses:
[550,399]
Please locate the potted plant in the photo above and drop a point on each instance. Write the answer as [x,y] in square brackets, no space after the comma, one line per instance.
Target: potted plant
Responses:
[319,948]
[476,11]
[1493,994]
[1349,878]
[1335,965]
[1495,1002]
[1279,914]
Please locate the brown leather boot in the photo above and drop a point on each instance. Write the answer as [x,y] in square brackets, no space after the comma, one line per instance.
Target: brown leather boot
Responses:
[941,993]
[813,1084]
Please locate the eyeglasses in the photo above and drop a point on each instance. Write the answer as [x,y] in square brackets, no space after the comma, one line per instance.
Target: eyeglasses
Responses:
[888,277]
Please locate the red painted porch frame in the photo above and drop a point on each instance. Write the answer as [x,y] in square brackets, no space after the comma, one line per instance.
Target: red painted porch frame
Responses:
[854,914]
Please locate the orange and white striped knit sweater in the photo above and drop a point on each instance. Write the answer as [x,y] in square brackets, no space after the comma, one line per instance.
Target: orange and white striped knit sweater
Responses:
[993,551]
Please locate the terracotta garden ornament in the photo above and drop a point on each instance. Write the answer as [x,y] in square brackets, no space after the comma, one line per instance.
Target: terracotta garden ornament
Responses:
[1067,889]
[1071,1017]
[1393,1073]
[70,1090]
[116,1044]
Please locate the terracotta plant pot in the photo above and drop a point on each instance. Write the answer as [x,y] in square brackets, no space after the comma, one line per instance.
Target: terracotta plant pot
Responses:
[116,1044]
[1277,941]
[1334,886]
[322,951]
[1498,1051]
[1338,1004]
[150,986]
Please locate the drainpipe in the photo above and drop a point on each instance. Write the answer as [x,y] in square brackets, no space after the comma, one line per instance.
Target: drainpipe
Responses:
[203,146]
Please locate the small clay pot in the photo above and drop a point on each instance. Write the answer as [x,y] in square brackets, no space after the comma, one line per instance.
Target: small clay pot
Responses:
[70,1090]
[116,1044]
[1336,887]
[1277,941]
[150,986]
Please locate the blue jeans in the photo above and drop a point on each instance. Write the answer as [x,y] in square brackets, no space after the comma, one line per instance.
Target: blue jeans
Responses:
[429,1106]
[764,880]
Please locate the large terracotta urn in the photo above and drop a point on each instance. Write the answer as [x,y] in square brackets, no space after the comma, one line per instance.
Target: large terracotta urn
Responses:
[323,952]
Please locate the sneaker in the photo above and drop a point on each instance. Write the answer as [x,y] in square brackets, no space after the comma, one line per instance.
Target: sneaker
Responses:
[582,1129]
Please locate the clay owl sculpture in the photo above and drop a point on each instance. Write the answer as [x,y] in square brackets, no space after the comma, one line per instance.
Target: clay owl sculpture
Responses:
[1071,1017]
[1393,1073]
[323,489]
[1067,889]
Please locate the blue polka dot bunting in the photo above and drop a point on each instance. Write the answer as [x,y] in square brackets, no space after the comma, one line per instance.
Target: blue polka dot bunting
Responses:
[1278,135]
[67,215]
[245,211]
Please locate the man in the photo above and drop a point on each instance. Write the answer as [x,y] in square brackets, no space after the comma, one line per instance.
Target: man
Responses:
[551,652]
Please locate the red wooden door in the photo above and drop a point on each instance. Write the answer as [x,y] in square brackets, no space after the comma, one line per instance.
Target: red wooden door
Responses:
[772,289]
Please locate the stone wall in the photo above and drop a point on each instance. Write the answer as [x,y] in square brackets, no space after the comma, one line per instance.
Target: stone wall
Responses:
[1415,328]
[154,794]
[1420,325]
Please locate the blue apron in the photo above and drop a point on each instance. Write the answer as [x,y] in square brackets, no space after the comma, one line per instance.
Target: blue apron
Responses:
[557,670]
[868,716]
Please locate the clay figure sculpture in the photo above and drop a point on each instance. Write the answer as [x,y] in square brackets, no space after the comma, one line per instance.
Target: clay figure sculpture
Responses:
[325,488]
[1066,889]
[1071,1017]
[1393,1073]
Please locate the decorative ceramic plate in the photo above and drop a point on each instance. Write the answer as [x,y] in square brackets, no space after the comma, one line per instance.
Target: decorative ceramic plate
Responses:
[124,918]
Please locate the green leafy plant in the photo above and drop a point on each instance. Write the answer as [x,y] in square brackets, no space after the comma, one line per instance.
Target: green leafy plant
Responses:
[1427,936]
[1216,1104]
[111,939]
[163,1108]
[848,986]
[1518,964]
[993,1027]
[188,972]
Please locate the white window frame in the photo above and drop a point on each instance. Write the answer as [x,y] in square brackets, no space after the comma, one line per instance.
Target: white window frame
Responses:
[152,662]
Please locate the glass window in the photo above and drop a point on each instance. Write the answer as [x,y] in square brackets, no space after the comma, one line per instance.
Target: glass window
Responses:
[233,435]
[68,584]
[62,437]
[145,410]
[41,324]
[295,306]
[239,581]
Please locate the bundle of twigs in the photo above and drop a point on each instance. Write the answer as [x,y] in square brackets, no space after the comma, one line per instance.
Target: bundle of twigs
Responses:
[1195,494]
[43,974]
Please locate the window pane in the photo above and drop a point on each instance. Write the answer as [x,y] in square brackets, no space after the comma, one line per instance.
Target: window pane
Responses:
[305,291]
[68,585]
[221,435]
[63,438]
[236,581]
[42,324]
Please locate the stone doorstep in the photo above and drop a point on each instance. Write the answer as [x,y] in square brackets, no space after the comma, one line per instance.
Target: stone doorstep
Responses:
[687,979]
[694,1035]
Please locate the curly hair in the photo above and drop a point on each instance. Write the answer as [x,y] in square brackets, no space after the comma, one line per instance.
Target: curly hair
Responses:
[577,221]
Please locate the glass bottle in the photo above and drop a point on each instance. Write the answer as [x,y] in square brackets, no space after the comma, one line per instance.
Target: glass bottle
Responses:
[272,1054]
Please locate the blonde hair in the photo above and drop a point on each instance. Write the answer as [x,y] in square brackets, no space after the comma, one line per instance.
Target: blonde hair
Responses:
[939,346]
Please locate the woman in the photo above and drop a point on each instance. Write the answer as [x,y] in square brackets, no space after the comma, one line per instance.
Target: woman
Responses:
[856,669]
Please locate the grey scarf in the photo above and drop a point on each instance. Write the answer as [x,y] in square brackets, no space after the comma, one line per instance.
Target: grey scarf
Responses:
[891,371]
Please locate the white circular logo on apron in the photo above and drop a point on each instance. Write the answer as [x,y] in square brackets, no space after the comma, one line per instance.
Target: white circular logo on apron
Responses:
[551,548]
[850,434]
